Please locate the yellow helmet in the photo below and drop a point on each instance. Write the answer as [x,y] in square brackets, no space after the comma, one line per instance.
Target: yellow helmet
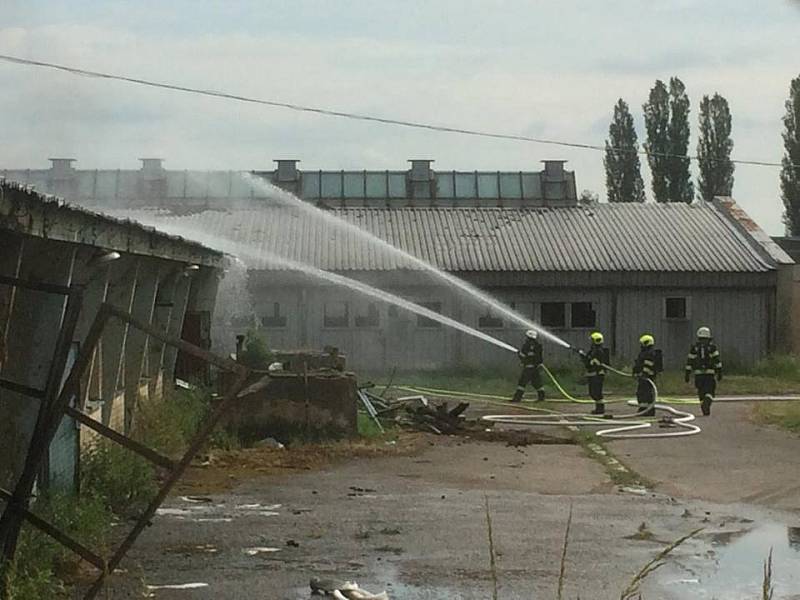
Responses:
[596,337]
[647,340]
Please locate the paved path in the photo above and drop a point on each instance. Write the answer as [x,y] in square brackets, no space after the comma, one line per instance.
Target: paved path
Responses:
[732,460]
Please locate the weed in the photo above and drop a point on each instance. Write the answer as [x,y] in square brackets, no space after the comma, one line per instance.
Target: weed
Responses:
[656,563]
[123,480]
[767,591]
[40,562]
[562,571]
[367,427]
[255,353]
[492,558]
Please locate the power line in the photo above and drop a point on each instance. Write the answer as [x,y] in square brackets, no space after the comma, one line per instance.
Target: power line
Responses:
[358,116]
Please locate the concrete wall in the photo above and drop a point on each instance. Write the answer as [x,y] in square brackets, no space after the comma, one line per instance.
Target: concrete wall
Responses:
[742,318]
[325,403]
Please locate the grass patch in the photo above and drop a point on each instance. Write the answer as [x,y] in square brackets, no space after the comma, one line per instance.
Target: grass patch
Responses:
[785,415]
[776,375]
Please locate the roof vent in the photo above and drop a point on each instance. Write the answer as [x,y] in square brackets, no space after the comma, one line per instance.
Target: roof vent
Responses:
[421,169]
[556,185]
[61,166]
[554,169]
[152,166]
[287,170]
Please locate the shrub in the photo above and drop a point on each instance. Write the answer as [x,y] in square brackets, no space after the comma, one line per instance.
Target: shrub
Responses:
[123,480]
[255,353]
[40,560]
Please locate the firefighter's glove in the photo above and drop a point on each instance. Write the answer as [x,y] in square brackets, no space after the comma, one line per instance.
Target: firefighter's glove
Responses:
[686,377]
[719,375]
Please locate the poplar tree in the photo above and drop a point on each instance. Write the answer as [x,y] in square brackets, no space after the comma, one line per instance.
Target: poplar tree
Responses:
[790,170]
[623,170]
[656,120]
[679,176]
[714,148]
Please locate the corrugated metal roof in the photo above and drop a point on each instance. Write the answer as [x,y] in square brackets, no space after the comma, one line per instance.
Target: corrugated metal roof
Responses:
[45,214]
[605,237]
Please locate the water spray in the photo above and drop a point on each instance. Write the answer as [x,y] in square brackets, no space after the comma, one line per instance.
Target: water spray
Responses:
[238,250]
[282,195]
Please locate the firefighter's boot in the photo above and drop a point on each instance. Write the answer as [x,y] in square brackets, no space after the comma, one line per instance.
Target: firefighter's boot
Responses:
[540,395]
[599,408]
[705,404]
[517,395]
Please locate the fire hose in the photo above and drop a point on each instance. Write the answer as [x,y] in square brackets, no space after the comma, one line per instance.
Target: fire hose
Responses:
[634,425]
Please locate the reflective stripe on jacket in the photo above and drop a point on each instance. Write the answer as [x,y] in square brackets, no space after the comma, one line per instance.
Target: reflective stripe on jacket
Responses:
[645,365]
[530,355]
[704,359]
[593,361]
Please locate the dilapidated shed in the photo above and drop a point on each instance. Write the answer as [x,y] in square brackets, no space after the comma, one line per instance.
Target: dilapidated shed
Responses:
[48,250]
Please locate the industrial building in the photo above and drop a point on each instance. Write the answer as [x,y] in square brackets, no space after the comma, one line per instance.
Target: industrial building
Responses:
[50,249]
[525,237]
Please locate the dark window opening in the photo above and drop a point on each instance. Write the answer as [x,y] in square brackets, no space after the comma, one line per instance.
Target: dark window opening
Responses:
[554,314]
[337,314]
[274,318]
[425,321]
[370,318]
[490,321]
[583,314]
[675,308]
[523,308]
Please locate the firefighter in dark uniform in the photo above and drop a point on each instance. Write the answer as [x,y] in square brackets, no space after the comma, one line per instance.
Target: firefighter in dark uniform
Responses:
[530,355]
[645,370]
[705,363]
[595,360]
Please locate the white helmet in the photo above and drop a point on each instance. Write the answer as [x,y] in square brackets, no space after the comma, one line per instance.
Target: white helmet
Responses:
[704,332]
[532,334]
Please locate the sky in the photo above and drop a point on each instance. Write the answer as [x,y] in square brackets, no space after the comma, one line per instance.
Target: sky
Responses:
[544,69]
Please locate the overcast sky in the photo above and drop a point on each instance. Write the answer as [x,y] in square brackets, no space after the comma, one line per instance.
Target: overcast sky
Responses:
[546,69]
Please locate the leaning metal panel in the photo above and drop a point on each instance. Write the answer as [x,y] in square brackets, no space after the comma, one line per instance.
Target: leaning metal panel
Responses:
[17,501]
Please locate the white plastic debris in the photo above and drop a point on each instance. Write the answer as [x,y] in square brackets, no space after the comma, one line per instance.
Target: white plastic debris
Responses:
[178,586]
[259,550]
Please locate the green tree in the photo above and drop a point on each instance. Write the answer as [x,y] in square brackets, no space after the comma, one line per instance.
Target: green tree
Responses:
[623,169]
[790,171]
[656,120]
[714,148]
[679,176]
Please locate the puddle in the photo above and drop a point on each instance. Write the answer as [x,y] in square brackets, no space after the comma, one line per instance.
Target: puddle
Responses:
[734,570]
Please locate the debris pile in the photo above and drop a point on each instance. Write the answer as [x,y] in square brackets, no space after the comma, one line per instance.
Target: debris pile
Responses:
[414,412]
[437,418]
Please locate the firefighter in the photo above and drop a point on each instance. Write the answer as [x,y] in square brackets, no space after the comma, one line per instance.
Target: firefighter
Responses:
[705,363]
[530,355]
[645,370]
[595,360]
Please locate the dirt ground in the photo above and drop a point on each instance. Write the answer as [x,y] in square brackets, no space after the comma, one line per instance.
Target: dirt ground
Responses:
[410,517]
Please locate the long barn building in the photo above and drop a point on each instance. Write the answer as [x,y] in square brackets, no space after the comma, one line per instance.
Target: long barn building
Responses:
[524,237]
